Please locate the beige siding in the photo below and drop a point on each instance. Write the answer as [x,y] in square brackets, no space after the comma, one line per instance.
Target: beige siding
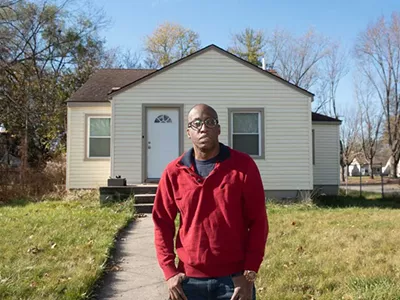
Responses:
[81,172]
[327,160]
[223,83]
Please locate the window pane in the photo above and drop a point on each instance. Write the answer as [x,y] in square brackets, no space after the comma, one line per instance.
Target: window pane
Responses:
[245,122]
[99,147]
[163,119]
[100,127]
[246,143]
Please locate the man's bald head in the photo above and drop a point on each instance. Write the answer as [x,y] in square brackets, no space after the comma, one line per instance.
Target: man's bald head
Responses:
[202,108]
[204,137]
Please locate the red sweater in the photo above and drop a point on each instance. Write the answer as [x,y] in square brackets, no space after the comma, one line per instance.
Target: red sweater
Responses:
[223,221]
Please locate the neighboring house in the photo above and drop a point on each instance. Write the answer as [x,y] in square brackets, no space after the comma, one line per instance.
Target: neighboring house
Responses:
[361,165]
[357,166]
[131,123]
[354,167]
[386,168]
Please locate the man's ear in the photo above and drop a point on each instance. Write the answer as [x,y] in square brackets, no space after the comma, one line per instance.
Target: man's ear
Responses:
[187,132]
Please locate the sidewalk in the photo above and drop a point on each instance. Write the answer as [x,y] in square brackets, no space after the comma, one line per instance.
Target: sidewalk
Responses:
[138,276]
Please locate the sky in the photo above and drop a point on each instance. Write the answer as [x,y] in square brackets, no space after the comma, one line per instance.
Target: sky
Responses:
[216,21]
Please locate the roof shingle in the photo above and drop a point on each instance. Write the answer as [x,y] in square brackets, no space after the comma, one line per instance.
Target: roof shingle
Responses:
[98,86]
[316,117]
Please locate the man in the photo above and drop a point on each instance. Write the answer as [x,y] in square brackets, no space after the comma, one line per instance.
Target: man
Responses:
[223,227]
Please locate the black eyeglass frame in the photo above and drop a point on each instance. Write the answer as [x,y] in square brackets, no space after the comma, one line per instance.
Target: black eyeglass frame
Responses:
[190,124]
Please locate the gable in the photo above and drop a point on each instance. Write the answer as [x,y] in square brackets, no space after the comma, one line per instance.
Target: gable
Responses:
[222,55]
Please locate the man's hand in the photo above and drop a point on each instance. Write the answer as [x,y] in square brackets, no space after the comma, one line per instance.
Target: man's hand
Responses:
[175,287]
[243,288]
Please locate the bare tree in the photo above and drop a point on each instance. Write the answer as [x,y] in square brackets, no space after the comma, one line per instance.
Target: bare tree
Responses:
[276,43]
[310,61]
[370,116]
[298,59]
[131,60]
[168,43]
[378,54]
[122,59]
[322,99]
[249,45]
[334,68]
[8,4]
[349,145]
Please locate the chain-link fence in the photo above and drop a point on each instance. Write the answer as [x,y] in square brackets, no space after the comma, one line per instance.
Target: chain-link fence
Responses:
[362,182]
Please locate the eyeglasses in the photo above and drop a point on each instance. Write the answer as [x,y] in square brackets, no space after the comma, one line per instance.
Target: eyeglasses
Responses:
[197,124]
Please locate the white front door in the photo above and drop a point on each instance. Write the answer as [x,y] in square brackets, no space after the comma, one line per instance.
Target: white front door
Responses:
[162,139]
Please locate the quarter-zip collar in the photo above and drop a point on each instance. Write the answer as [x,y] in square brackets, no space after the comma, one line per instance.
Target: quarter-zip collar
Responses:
[187,158]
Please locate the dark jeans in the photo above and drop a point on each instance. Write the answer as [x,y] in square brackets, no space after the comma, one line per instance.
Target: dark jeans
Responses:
[220,288]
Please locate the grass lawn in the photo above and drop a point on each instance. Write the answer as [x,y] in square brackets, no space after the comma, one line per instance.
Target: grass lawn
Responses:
[343,248]
[335,248]
[56,249]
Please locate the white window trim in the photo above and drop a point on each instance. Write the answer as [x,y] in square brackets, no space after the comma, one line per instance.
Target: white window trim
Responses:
[97,137]
[260,112]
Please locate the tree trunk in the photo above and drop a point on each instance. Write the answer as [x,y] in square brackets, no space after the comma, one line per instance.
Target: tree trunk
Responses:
[24,153]
[342,173]
[371,168]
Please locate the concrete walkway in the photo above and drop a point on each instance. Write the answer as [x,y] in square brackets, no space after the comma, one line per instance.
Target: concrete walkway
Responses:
[136,273]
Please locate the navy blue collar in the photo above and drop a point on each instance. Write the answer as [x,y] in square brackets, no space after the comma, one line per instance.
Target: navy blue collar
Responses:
[223,154]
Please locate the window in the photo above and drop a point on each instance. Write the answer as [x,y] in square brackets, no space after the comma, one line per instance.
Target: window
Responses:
[163,119]
[99,137]
[246,131]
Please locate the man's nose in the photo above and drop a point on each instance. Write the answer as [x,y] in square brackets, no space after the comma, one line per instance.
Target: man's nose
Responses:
[203,127]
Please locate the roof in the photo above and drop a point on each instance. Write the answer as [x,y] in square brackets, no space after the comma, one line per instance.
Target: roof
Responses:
[100,84]
[379,158]
[376,162]
[223,52]
[316,117]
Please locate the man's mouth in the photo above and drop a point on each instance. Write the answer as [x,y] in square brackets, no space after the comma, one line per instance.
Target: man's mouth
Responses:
[204,137]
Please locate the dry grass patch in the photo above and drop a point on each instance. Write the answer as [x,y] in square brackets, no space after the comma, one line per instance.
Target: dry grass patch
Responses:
[331,253]
[33,184]
[57,249]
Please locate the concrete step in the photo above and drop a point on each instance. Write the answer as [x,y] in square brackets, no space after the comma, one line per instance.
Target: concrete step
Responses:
[144,198]
[145,189]
[143,208]
[121,193]
[130,189]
